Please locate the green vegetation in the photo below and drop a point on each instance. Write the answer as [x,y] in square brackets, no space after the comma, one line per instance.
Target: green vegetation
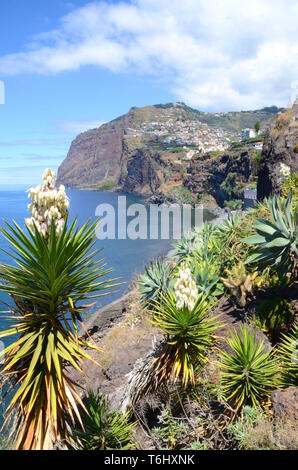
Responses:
[48,284]
[273,316]
[155,282]
[249,373]
[291,184]
[103,429]
[233,187]
[170,431]
[234,204]
[182,195]
[239,282]
[239,430]
[276,239]
[289,357]
[186,246]
[257,127]
[201,386]
[190,337]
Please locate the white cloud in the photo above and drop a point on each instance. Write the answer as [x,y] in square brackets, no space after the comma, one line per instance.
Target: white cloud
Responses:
[76,127]
[213,55]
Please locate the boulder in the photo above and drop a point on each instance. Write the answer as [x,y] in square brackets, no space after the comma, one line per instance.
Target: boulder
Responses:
[285,404]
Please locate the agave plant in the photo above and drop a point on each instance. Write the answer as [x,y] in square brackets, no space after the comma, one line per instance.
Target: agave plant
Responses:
[186,246]
[248,373]
[240,283]
[190,336]
[207,278]
[104,429]
[155,282]
[289,357]
[227,228]
[49,281]
[276,240]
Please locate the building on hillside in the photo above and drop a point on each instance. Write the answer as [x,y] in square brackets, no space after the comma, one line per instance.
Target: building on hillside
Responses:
[189,155]
[248,134]
[258,145]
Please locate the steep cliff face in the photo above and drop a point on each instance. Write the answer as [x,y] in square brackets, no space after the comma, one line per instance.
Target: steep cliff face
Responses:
[94,156]
[141,171]
[229,172]
[280,146]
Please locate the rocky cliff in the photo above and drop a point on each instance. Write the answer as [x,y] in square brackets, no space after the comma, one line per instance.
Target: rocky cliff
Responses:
[149,149]
[280,146]
[221,178]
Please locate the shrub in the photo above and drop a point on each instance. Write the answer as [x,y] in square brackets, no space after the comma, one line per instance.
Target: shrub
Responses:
[233,186]
[239,282]
[229,236]
[291,184]
[267,434]
[248,373]
[155,282]
[182,195]
[198,445]
[234,204]
[289,356]
[273,315]
[240,429]
[254,431]
[103,429]
[275,241]
[170,431]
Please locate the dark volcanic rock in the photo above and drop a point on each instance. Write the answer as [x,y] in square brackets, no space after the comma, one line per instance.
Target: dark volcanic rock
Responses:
[207,174]
[138,173]
[285,404]
[280,146]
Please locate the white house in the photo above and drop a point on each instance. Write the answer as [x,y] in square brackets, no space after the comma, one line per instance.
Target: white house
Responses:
[189,155]
[248,133]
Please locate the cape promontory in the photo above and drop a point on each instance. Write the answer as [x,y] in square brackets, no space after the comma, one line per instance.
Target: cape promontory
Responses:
[150,150]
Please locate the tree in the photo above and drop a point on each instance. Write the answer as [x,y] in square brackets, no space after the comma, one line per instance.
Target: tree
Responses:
[257,127]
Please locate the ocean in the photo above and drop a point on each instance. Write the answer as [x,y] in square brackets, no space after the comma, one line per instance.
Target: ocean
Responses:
[126,257]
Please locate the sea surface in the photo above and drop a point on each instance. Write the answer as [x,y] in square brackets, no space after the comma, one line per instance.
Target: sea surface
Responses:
[126,257]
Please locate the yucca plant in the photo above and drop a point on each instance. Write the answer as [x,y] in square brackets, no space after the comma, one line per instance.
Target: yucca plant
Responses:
[248,374]
[190,336]
[49,281]
[289,357]
[276,241]
[104,429]
[155,282]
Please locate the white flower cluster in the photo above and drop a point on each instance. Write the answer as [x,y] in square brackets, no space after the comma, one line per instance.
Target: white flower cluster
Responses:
[285,170]
[185,289]
[48,204]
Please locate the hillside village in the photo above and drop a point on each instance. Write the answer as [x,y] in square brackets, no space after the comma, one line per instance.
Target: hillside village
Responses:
[192,134]
[188,133]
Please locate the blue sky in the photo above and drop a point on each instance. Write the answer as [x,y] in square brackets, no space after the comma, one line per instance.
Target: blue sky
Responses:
[69,66]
